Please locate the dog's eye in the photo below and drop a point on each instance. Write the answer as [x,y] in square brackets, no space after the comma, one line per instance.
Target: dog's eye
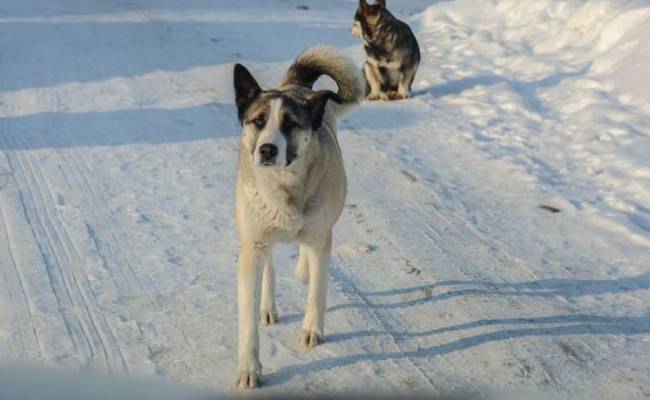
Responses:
[288,124]
[259,122]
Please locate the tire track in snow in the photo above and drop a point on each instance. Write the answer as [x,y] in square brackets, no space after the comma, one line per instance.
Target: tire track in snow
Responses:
[461,247]
[347,288]
[19,301]
[58,286]
[112,249]
[472,256]
[386,320]
[415,223]
[87,328]
[107,246]
[114,256]
[18,305]
[72,260]
[163,332]
[140,300]
[490,251]
[63,252]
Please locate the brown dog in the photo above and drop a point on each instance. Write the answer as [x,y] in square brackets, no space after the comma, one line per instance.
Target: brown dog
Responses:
[392,50]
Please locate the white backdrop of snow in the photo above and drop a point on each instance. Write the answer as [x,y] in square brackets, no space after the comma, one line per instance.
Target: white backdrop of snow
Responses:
[119,139]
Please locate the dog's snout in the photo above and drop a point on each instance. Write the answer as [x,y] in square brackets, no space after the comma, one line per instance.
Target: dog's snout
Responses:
[268,151]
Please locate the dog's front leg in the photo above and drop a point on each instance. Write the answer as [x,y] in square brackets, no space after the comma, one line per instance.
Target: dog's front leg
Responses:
[373,78]
[249,278]
[268,312]
[318,257]
[302,267]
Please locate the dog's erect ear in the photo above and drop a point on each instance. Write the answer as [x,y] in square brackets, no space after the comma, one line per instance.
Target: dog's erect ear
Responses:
[363,6]
[246,89]
[381,3]
[316,105]
[370,9]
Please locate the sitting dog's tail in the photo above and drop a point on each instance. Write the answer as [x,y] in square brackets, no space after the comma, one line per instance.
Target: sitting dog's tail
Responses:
[321,60]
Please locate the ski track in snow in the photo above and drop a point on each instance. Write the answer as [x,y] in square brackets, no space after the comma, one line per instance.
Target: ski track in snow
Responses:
[119,142]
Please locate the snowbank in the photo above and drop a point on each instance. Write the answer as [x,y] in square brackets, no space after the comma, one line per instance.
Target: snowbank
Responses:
[561,89]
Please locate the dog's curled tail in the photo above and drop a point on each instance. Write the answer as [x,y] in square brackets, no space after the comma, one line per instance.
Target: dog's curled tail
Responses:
[322,60]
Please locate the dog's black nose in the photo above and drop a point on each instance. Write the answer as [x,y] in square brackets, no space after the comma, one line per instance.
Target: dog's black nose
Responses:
[268,151]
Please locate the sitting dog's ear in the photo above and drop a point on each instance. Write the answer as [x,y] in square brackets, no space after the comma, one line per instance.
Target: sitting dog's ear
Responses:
[246,89]
[363,6]
[316,105]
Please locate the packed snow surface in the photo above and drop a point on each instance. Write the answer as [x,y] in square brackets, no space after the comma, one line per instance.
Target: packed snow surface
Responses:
[496,235]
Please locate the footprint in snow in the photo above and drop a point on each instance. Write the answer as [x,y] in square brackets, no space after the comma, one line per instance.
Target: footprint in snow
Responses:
[356,248]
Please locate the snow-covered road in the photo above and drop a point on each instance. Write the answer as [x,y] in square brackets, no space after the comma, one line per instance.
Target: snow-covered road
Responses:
[119,140]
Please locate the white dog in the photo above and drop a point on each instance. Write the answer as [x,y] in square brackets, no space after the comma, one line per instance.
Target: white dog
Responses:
[291,186]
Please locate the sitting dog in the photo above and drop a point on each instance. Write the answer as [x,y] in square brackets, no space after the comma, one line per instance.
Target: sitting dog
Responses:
[291,186]
[392,50]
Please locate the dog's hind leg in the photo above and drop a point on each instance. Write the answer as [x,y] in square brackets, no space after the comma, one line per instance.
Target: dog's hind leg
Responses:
[268,312]
[405,81]
[314,321]
[302,267]
[249,287]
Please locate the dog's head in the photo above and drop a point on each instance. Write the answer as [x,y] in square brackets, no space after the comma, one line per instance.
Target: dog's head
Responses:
[277,125]
[367,17]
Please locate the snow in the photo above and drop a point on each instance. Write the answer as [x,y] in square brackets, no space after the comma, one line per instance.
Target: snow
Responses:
[119,145]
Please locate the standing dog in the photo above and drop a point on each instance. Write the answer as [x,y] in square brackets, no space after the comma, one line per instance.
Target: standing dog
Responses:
[291,186]
[392,50]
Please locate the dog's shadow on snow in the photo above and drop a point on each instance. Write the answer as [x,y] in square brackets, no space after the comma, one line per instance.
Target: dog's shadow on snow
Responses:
[559,325]
[545,288]
[536,327]
[527,90]
[381,115]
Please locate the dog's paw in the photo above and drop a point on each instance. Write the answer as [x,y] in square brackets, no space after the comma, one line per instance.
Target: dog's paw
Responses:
[386,95]
[401,96]
[249,379]
[373,97]
[268,317]
[310,339]
[392,95]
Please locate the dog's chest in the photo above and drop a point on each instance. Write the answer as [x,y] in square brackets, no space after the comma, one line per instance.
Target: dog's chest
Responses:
[278,215]
[384,63]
